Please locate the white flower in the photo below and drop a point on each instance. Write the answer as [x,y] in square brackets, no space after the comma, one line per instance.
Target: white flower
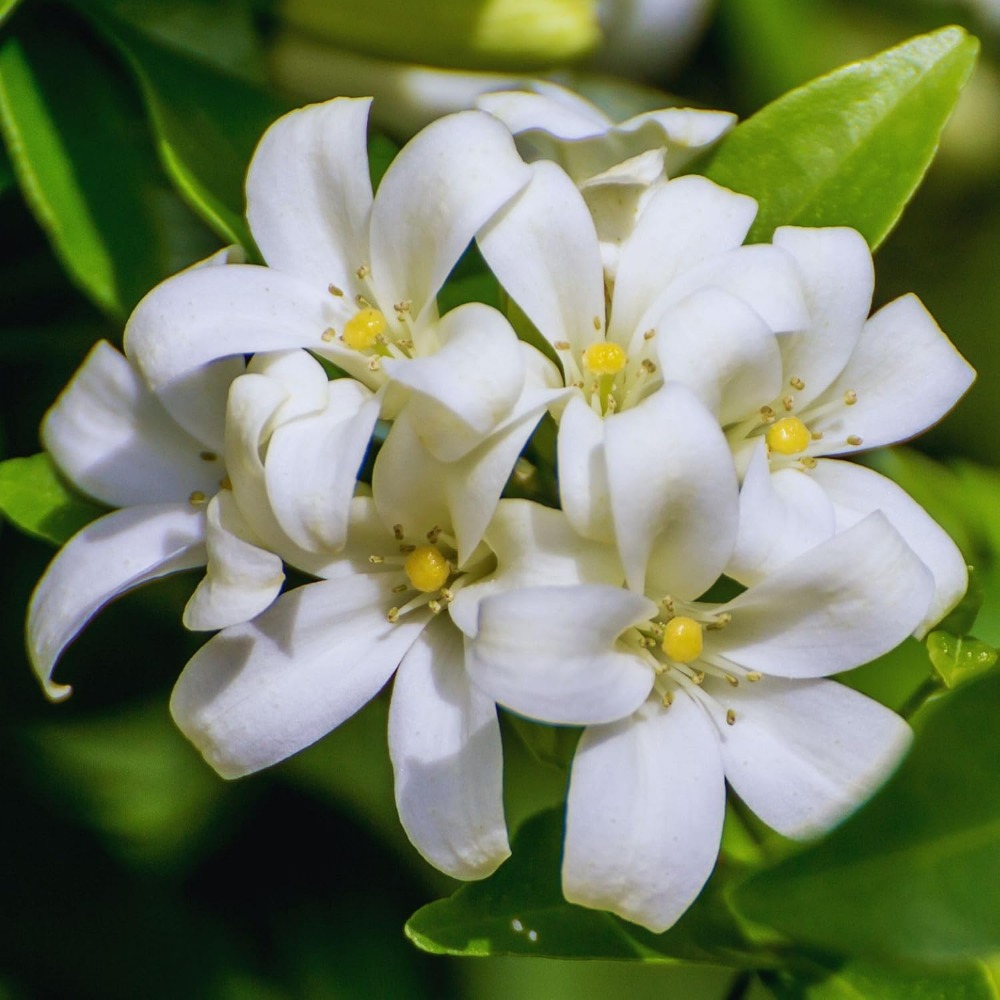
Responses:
[262,691]
[637,451]
[842,384]
[354,277]
[617,166]
[680,697]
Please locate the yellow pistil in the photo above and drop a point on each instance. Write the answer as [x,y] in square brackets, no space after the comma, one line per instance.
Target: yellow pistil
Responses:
[682,639]
[788,436]
[363,329]
[427,569]
[604,358]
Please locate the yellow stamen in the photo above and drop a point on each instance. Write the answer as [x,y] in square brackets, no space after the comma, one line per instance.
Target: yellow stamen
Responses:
[427,569]
[605,358]
[363,329]
[788,436]
[682,639]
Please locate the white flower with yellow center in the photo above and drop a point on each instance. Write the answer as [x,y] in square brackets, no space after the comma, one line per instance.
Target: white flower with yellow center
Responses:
[353,277]
[395,600]
[681,697]
[841,385]
[637,450]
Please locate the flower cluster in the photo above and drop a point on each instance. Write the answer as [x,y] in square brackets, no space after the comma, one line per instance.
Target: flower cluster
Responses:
[706,558]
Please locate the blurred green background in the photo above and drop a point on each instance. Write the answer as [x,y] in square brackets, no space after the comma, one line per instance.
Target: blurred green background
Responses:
[127,868]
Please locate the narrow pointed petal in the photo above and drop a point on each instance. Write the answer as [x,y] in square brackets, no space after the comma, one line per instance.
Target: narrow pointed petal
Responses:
[464,390]
[444,741]
[543,249]
[717,346]
[535,546]
[312,466]
[309,193]
[260,692]
[110,437]
[241,579]
[856,491]
[907,375]
[216,312]
[686,221]
[803,754]
[837,606]
[644,816]
[583,473]
[782,515]
[550,653]
[838,279]
[105,559]
[674,494]
[441,189]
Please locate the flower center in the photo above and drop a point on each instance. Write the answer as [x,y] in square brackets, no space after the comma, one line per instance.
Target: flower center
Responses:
[788,436]
[361,331]
[427,569]
[605,358]
[683,639]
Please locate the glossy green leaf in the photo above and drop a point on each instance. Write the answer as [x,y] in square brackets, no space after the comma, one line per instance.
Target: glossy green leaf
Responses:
[7,7]
[850,148]
[860,980]
[911,875]
[521,911]
[958,659]
[36,500]
[207,124]
[82,159]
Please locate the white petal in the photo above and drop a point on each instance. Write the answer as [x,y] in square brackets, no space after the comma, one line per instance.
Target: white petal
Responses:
[110,437]
[198,400]
[259,692]
[105,559]
[312,466]
[550,653]
[838,278]
[309,193]
[535,546]
[837,606]
[782,515]
[241,579]
[907,375]
[803,754]
[644,816]
[444,740]
[543,249]
[215,312]
[717,346]
[686,221]
[674,493]
[857,491]
[467,387]
[583,473]
[444,185]
[555,110]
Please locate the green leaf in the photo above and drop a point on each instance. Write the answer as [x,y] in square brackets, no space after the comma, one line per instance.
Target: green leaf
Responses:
[850,148]
[958,659]
[7,7]
[36,500]
[206,122]
[521,911]
[860,980]
[911,875]
[80,154]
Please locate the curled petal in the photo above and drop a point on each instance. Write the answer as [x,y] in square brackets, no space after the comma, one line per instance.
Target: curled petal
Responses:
[309,193]
[644,816]
[111,437]
[837,606]
[241,579]
[260,692]
[444,740]
[583,472]
[803,754]
[550,653]
[108,557]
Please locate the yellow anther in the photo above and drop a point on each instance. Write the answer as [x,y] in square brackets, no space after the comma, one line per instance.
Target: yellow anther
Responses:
[334,290]
[398,533]
[392,615]
[225,483]
[364,328]
[597,322]
[754,676]
[562,345]
[427,569]
[197,498]
[796,383]
[853,439]
[682,639]
[207,456]
[788,436]
[788,402]
[850,397]
[605,358]
[363,271]
[649,334]
[730,717]
[328,335]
